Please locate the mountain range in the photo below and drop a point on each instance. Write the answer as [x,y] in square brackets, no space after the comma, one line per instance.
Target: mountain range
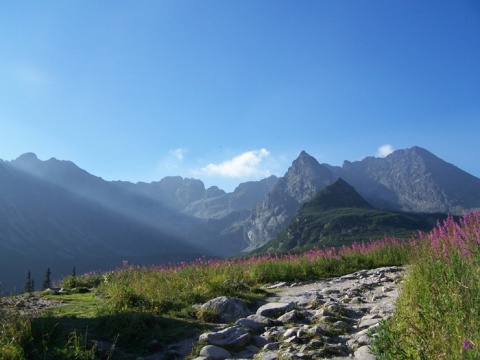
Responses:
[54,214]
[338,214]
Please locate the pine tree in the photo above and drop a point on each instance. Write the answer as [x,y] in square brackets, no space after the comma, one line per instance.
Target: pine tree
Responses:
[29,284]
[47,283]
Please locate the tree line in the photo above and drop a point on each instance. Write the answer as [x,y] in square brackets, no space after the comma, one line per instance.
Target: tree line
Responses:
[29,286]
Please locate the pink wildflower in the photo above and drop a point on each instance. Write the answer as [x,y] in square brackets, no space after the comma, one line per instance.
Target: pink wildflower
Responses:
[467,345]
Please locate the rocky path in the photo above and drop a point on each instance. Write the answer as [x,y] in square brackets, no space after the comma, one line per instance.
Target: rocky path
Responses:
[331,319]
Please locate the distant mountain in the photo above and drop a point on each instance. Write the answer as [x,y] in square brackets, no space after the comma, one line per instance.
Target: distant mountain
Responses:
[216,204]
[54,214]
[412,180]
[338,215]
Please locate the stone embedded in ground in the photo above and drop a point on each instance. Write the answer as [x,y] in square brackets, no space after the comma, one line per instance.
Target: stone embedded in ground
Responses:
[215,352]
[232,338]
[364,353]
[289,317]
[261,319]
[369,320]
[277,285]
[274,309]
[247,353]
[269,355]
[259,341]
[250,324]
[228,309]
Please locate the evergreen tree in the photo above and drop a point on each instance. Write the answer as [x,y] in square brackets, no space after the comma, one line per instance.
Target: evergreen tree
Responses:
[47,283]
[74,273]
[29,285]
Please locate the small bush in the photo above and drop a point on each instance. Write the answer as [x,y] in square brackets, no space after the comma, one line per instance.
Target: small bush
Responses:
[86,281]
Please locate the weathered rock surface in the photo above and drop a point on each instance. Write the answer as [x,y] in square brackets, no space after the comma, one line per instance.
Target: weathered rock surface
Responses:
[334,319]
[228,309]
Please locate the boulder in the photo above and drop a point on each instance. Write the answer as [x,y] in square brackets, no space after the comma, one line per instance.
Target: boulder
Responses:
[215,352]
[274,310]
[232,338]
[228,309]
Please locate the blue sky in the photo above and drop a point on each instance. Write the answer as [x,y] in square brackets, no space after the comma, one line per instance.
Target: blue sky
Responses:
[232,91]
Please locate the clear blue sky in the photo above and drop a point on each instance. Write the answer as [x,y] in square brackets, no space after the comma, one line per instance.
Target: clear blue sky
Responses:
[231,91]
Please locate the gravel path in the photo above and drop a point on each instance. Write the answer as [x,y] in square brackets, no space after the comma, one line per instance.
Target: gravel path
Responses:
[330,319]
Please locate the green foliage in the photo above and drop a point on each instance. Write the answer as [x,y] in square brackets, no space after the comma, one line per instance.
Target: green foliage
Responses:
[15,336]
[47,282]
[342,226]
[438,310]
[29,286]
[85,281]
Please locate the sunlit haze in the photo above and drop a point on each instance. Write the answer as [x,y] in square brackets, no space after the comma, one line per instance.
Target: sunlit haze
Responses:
[233,91]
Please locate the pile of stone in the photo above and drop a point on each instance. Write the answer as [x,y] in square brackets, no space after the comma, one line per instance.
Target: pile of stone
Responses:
[335,318]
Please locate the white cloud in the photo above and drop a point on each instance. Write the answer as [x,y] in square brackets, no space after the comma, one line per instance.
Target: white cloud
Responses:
[249,163]
[384,150]
[178,153]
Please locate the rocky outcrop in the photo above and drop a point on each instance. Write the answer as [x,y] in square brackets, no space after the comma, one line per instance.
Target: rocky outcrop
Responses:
[216,204]
[412,180]
[334,318]
[300,184]
[226,309]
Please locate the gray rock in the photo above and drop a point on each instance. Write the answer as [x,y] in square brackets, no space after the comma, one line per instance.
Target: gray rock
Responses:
[289,317]
[248,353]
[259,341]
[228,309]
[272,346]
[278,285]
[232,338]
[369,320]
[250,324]
[215,352]
[269,355]
[317,330]
[363,353]
[261,319]
[274,309]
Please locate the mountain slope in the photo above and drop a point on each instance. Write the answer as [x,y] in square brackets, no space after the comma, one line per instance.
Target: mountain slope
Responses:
[412,180]
[338,215]
[303,180]
[55,214]
[44,225]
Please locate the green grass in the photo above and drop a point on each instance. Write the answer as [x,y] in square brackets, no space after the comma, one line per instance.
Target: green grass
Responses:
[438,310]
[140,310]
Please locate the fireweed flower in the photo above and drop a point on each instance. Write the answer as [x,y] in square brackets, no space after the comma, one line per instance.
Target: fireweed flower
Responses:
[467,345]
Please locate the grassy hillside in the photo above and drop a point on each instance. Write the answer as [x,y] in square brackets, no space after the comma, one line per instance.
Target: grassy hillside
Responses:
[344,226]
[338,215]
[136,310]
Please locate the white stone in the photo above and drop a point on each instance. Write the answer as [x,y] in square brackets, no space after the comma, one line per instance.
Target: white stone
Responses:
[215,352]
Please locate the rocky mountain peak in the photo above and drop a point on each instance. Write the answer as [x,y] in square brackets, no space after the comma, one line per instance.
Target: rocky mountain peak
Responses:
[26,158]
[306,177]
[340,194]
